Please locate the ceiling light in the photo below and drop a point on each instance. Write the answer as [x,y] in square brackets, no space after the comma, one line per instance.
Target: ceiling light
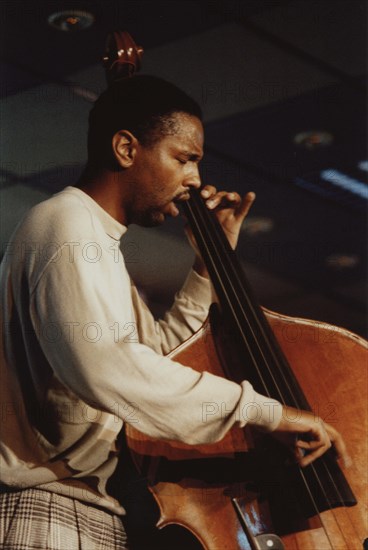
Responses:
[313,139]
[71,20]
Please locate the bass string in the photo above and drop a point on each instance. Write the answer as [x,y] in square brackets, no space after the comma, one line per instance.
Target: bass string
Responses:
[225,264]
[215,268]
[233,264]
[223,267]
[197,219]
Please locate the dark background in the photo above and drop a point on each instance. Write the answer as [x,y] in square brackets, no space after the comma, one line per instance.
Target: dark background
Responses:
[264,71]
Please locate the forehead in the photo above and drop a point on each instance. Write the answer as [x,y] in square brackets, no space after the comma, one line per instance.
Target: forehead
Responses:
[187,133]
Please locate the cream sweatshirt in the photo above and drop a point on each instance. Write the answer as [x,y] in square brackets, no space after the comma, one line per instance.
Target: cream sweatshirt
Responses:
[81,354]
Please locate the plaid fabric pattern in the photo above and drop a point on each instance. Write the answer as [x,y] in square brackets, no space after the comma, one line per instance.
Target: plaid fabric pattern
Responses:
[40,520]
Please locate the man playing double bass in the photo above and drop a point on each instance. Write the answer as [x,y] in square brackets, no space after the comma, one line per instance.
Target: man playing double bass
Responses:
[82,355]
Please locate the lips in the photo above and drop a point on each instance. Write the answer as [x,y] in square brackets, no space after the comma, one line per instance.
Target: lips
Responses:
[182,198]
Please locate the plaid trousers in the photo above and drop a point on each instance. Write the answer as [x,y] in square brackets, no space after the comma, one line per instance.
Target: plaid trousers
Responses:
[34,519]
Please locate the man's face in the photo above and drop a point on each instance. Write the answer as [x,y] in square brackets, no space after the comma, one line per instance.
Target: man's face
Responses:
[165,172]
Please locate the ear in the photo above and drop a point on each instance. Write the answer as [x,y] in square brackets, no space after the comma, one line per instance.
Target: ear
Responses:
[124,146]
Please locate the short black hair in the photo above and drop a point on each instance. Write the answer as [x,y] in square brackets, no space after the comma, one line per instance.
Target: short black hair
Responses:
[144,105]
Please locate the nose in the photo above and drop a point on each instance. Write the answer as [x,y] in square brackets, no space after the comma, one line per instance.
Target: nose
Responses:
[193,179]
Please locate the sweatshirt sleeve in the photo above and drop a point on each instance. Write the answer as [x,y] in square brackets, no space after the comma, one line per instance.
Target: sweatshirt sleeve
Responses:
[187,314]
[97,354]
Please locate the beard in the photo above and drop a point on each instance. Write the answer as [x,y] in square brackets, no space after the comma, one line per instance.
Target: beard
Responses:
[149,218]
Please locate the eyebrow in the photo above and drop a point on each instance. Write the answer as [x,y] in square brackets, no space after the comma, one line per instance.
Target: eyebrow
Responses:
[192,156]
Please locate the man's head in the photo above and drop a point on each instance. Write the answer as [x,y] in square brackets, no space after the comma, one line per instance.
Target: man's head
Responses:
[143,105]
[144,144]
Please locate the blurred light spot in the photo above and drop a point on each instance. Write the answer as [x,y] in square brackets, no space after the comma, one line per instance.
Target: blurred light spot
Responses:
[314,139]
[339,262]
[258,225]
[363,165]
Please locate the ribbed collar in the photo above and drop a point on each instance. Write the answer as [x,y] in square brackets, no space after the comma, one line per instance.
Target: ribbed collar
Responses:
[112,227]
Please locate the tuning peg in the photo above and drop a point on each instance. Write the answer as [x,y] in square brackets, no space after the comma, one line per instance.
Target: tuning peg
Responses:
[122,57]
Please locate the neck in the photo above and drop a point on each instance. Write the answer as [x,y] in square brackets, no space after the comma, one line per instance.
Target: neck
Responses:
[107,189]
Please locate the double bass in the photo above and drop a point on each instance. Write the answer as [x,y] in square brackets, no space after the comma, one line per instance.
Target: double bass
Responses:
[244,493]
